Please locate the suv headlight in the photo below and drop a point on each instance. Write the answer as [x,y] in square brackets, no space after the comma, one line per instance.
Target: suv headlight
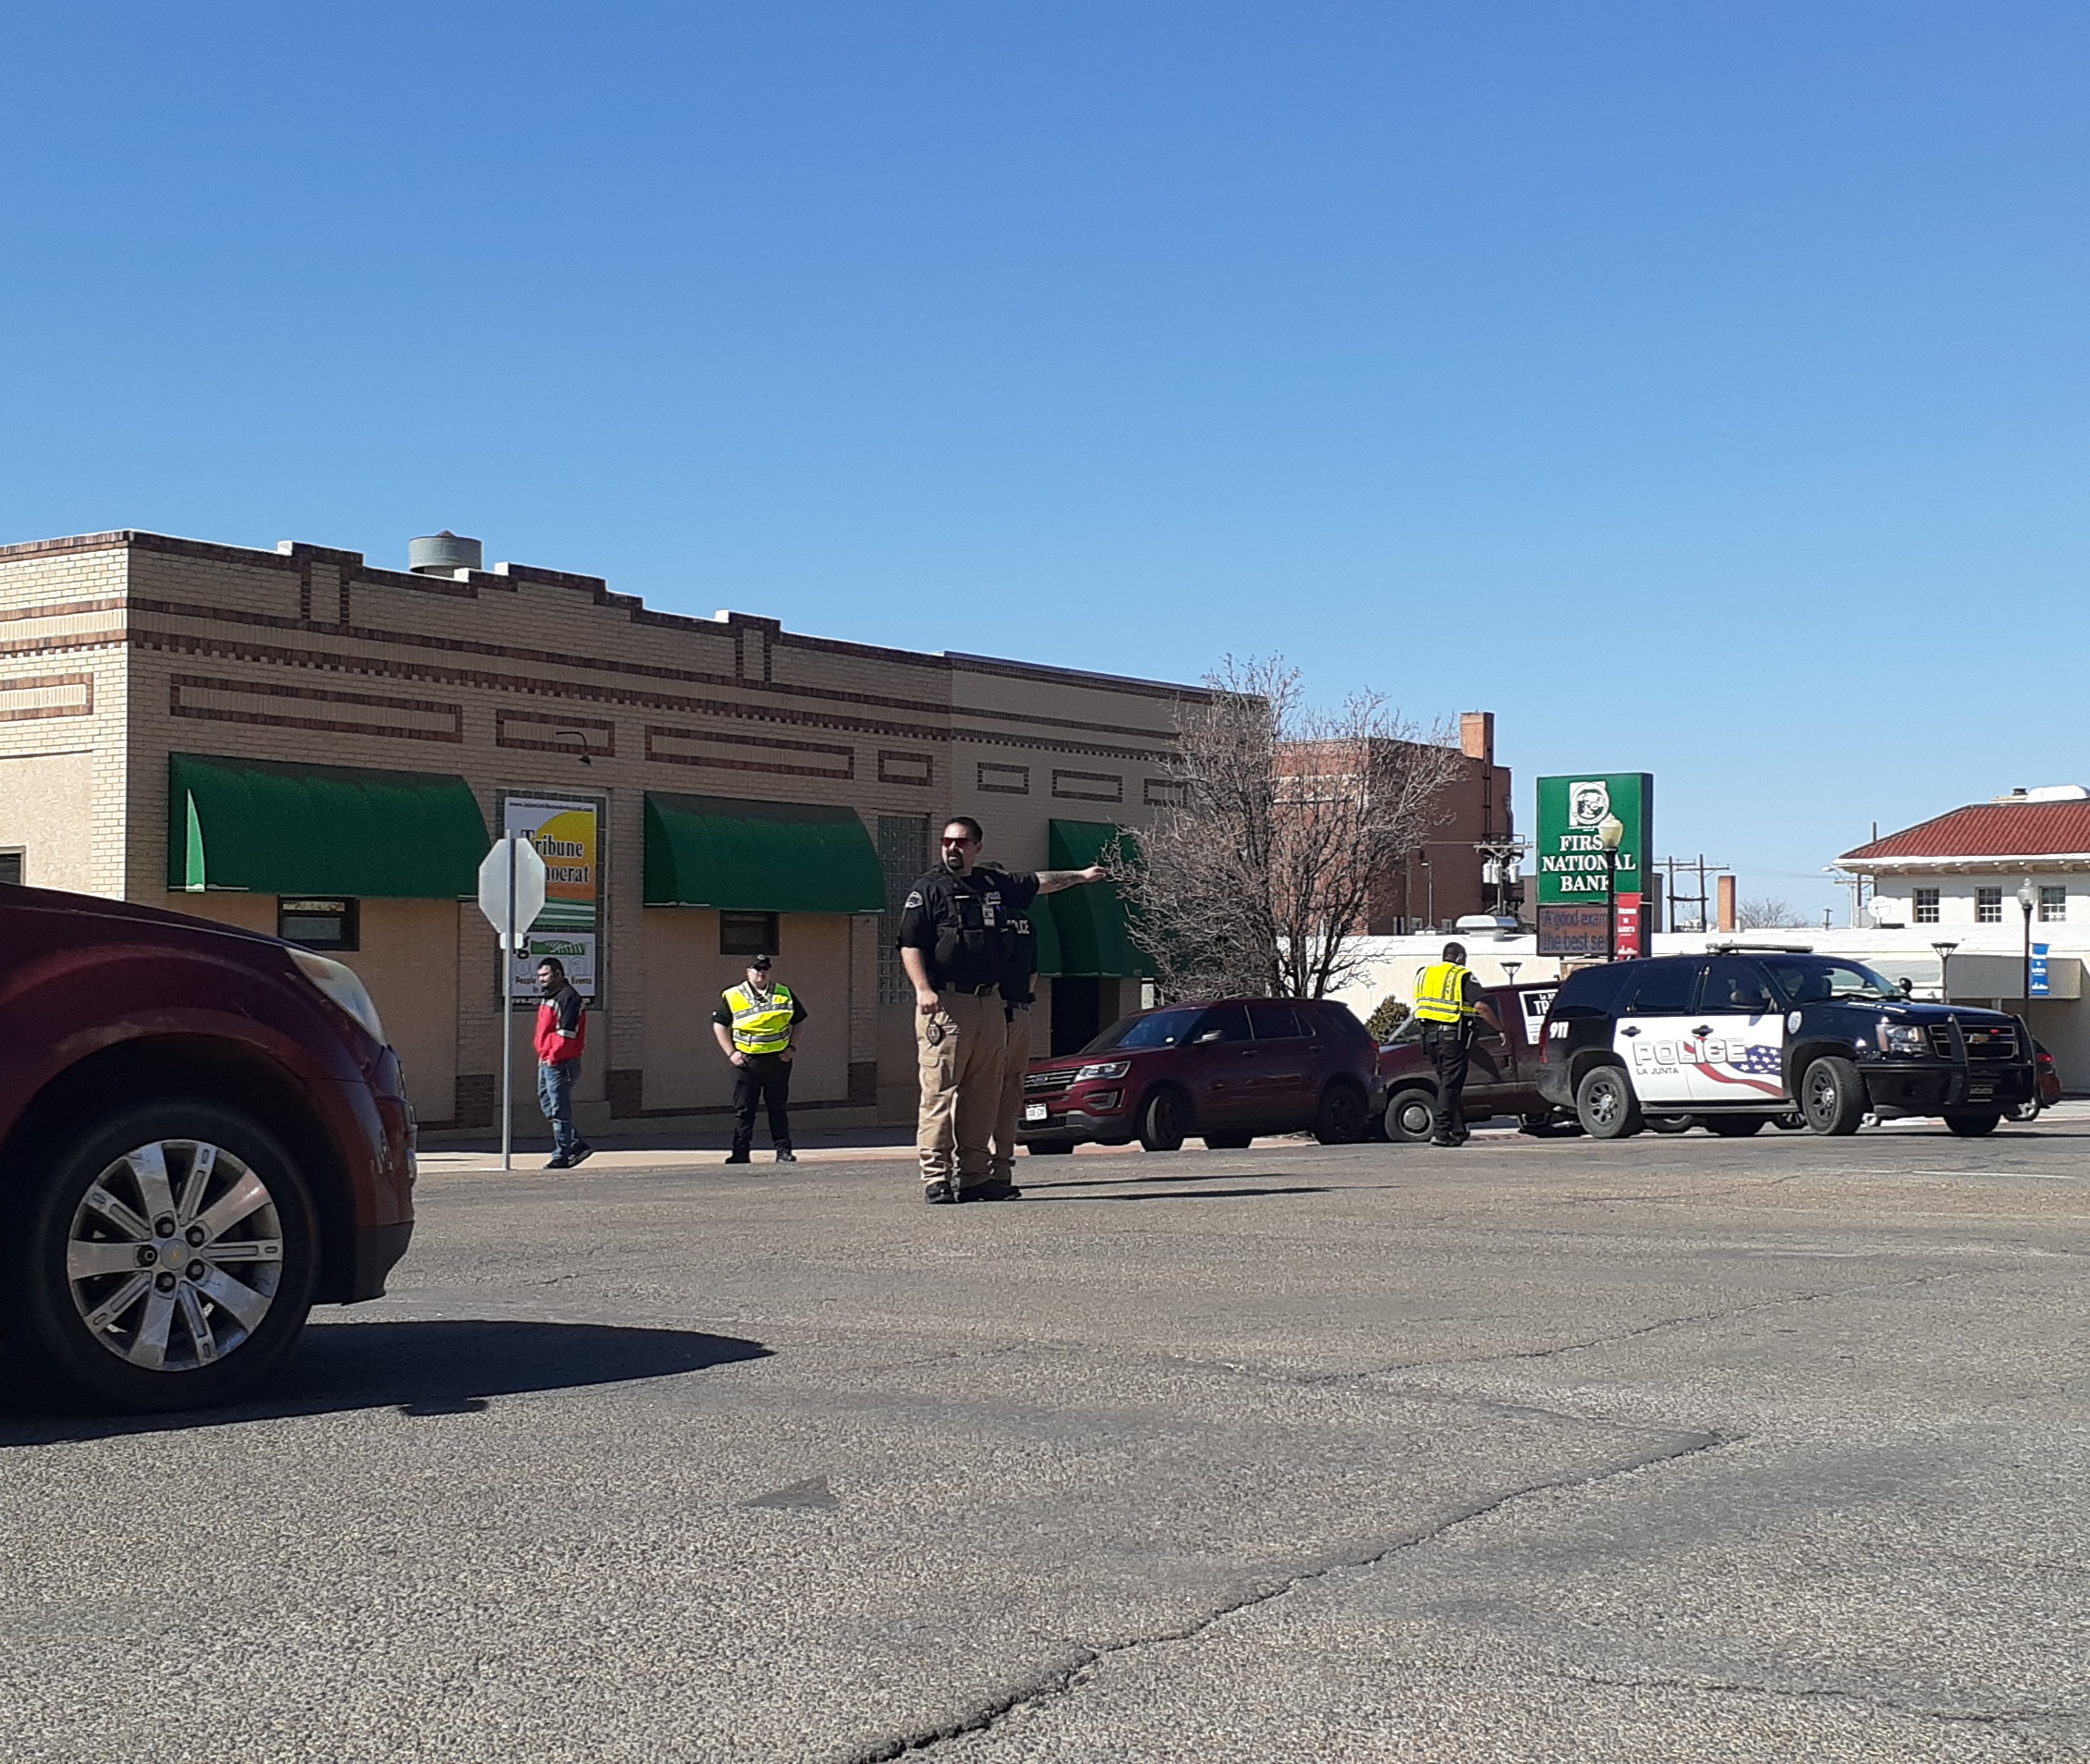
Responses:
[1107,1069]
[342,986]
[1903,1038]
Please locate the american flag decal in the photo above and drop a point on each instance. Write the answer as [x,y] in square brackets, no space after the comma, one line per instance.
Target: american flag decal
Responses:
[1749,1069]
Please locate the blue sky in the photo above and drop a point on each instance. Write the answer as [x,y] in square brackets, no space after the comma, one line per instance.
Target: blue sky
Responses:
[1702,388]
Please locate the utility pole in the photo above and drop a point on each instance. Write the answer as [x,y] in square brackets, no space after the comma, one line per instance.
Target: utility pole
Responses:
[1696,867]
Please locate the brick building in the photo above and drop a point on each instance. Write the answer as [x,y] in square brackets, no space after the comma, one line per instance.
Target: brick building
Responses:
[303,743]
[1447,876]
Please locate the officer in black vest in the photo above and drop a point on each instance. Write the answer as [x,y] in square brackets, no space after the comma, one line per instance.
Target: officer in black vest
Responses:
[956,943]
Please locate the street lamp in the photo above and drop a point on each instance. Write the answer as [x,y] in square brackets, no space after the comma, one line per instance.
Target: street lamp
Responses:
[2027,898]
[1610,832]
[1944,972]
[1510,968]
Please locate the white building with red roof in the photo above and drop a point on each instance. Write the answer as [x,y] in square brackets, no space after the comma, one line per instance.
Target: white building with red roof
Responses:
[1964,869]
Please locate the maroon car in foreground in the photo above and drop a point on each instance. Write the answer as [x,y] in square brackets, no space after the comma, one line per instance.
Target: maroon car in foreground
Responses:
[202,1132]
[1227,1070]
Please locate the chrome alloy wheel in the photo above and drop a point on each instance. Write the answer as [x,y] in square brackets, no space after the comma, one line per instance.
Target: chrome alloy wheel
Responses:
[174,1254]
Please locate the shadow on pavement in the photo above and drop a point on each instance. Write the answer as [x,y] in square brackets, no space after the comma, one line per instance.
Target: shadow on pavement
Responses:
[419,1369]
[1061,1191]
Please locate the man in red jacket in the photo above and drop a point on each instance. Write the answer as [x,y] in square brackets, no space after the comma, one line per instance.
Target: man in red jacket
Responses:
[562,1033]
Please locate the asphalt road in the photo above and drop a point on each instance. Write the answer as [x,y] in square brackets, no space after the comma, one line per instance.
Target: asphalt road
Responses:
[1673,1448]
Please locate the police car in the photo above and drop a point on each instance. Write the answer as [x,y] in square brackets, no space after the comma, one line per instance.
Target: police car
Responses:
[1744,1034]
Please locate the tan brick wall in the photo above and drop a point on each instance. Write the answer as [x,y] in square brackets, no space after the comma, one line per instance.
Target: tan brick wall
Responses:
[310,656]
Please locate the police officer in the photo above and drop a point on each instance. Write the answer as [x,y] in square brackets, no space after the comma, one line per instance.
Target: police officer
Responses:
[956,943]
[1017,996]
[1448,1000]
[754,1025]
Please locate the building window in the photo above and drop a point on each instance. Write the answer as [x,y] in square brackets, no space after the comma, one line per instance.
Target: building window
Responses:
[2053,905]
[1989,906]
[1927,906]
[319,924]
[11,868]
[903,855]
[747,934]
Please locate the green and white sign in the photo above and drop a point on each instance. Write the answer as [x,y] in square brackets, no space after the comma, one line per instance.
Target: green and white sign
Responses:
[1571,813]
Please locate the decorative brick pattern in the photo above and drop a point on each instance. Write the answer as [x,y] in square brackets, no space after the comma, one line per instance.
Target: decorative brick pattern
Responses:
[1165,793]
[749,752]
[1088,787]
[543,732]
[268,706]
[33,697]
[999,779]
[898,767]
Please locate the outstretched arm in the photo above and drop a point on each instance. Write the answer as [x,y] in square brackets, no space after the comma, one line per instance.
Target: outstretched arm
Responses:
[1052,881]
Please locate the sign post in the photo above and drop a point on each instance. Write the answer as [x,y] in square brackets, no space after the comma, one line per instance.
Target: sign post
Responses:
[511,895]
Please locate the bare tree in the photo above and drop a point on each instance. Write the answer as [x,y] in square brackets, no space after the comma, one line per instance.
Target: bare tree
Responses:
[1764,913]
[1258,882]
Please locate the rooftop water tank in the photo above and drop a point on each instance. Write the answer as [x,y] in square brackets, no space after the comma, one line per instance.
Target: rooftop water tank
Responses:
[444,554]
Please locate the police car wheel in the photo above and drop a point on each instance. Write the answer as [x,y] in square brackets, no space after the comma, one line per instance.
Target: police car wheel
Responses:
[1832,1095]
[2026,1110]
[1605,1104]
[1163,1121]
[1973,1124]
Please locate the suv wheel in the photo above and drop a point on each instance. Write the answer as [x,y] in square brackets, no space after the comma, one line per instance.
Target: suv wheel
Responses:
[1163,1121]
[1973,1124]
[1832,1095]
[1340,1119]
[1048,1147]
[1605,1104]
[1410,1117]
[166,1261]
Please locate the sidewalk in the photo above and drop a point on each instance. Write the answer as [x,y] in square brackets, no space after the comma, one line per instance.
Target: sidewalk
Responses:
[653,1151]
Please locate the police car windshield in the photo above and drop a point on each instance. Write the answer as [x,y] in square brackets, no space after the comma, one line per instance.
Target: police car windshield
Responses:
[1157,1029]
[1818,980]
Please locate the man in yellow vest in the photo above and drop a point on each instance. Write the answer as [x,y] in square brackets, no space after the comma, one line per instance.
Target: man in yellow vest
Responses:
[1448,1001]
[754,1025]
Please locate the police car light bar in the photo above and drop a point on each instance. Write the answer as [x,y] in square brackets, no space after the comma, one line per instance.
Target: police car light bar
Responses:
[1727,947]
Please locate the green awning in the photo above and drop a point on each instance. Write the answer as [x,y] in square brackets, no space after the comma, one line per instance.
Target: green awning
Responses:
[263,826]
[1087,933]
[758,857]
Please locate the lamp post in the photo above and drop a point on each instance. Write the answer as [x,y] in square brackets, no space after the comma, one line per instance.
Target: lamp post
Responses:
[1610,832]
[2027,898]
[1944,971]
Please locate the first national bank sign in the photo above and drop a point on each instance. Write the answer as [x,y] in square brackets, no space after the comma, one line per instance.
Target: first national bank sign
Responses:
[1572,868]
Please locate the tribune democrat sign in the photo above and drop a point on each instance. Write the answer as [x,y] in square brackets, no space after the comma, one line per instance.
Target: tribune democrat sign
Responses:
[1571,868]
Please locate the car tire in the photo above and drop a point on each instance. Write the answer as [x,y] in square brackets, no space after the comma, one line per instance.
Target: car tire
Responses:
[1791,1121]
[1671,1123]
[1604,1104]
[1410,1117]
[1832,1095]
[1228,1142]
[1339,1121]
[1049,1147]
[1164,1120]
[2026,1111]
[1972,1123]
[1734,1126]
[164,1258]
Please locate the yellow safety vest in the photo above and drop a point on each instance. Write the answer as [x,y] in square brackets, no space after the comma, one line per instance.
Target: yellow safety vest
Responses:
[761,1025]
[1440,993]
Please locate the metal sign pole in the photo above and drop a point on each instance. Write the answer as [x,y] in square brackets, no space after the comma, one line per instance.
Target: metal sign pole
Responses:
[508,1019]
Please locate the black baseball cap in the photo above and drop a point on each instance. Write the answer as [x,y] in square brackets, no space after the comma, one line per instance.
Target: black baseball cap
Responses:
[758,962]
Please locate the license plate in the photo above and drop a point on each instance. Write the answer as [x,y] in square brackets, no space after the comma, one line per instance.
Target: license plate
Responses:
[1033,1111]
[1980,1093]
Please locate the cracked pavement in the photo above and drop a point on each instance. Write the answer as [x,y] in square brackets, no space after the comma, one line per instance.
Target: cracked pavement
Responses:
[1678,1449]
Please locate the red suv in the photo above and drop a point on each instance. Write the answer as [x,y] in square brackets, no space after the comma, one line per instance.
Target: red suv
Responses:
[1226,1071]
[202,1132]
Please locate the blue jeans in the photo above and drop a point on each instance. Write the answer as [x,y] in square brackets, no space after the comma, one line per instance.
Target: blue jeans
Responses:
[555,1097]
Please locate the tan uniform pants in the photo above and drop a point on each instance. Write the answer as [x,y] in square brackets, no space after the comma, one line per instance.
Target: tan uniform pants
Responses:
[1015,1061]
[961,1047]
